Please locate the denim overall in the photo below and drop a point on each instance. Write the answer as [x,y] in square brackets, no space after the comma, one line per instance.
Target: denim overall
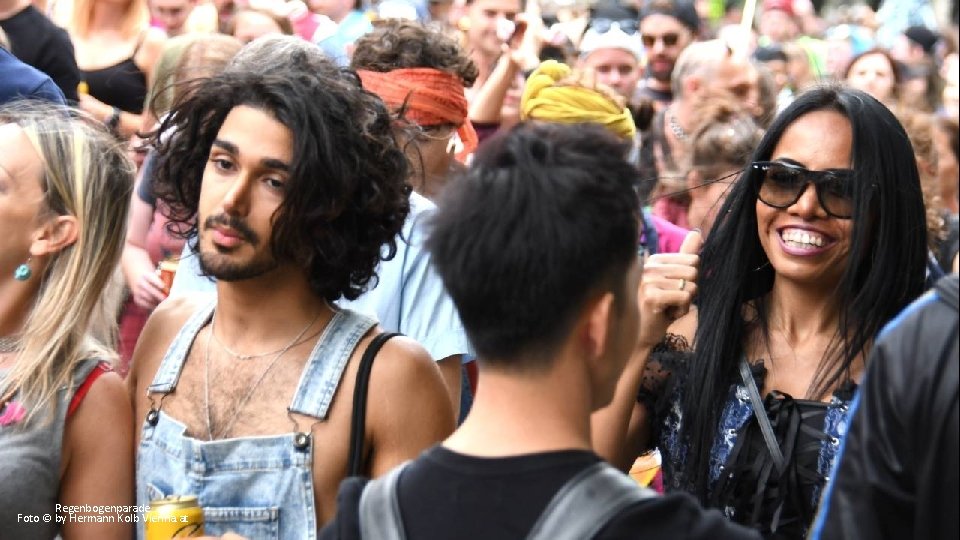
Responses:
[258,487]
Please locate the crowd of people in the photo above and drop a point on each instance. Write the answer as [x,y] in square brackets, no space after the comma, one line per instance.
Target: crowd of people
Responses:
[480,268]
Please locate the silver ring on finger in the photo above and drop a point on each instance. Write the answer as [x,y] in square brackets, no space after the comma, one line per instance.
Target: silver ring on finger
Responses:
[683,283]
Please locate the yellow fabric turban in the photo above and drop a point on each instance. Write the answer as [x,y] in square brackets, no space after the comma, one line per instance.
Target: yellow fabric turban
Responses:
[543,99]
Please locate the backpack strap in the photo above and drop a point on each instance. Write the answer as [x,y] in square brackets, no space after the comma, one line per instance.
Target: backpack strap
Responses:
[359,420]
[380,517]
[948,289]
[587,502]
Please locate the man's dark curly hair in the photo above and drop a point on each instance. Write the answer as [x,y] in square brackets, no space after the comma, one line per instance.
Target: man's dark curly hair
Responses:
[346,196]
[402,44]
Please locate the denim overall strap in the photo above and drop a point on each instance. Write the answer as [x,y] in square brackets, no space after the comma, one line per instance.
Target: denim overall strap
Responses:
[165,381]
[325,367]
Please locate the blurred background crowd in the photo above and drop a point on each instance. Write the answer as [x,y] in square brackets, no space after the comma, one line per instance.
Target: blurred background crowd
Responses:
[692,85]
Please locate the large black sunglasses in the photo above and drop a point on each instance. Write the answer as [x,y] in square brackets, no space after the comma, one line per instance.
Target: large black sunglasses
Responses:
[603,25]
[669,39]
[782,184]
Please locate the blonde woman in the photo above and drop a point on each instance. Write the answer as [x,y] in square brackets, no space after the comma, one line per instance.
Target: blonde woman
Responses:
[65,420]
[116,50]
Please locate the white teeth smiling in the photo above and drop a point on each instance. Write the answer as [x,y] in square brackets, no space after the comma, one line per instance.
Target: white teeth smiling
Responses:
[802,239]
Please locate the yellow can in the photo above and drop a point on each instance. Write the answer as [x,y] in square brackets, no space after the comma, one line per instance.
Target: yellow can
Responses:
[174,517]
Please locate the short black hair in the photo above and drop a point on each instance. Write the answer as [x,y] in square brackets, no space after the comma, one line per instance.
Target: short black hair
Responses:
[770,53]
[545,217]
[614,10]
[681,10]
[346,197]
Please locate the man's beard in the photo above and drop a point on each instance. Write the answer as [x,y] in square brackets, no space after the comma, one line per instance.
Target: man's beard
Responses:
[215,265]
[663,76]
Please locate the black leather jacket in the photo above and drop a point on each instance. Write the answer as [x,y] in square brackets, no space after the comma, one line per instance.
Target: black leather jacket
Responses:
[898,474]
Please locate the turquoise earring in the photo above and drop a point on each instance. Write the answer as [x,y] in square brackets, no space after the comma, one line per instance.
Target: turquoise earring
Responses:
[23,272]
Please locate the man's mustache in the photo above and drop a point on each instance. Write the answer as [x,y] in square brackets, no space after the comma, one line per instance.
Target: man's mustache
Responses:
[233,222]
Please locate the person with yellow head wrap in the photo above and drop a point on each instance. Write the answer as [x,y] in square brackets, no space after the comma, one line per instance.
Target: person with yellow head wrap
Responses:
[555,93]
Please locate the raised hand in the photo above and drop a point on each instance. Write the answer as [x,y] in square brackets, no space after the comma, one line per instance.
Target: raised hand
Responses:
[667,288]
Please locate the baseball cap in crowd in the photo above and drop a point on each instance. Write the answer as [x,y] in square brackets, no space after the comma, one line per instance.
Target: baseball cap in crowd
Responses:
[770,53]
[922,36]
[613,38]
[681,10]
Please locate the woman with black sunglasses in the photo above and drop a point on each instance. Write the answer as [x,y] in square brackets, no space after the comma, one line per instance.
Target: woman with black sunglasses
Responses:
[818,245]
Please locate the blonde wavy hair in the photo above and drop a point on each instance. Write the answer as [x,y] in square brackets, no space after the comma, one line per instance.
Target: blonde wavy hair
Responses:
[76,18]
[86,174]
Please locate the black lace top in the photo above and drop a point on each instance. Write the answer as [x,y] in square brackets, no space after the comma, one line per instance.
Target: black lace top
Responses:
[743,480]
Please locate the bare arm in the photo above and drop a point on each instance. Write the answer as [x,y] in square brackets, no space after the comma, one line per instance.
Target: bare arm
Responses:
[128,122]
[611,425]
[521,53]
[620,430]
[138,269]
[488,101]
[410,408]
[98,460]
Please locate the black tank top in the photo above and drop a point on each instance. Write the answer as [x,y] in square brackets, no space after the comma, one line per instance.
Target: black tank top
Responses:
[121,85]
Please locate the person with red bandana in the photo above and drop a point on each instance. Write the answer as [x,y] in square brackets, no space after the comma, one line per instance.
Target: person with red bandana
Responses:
[421,74]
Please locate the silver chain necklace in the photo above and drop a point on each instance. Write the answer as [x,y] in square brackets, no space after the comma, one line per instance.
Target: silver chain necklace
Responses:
[228,425]
[238,356]
[9,344]
[675,126]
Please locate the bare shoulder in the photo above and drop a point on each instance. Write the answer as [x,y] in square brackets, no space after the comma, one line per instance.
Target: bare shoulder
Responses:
[407,353]
[98,463]
[403,361]
[104,415]
[686,326]
[154,38]
[105,395]
[162,326]
[409,406]
[150,49]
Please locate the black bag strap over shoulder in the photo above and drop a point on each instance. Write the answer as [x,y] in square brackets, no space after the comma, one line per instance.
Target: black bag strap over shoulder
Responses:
[587,503]
[360,391]
[762,419]
[580,510]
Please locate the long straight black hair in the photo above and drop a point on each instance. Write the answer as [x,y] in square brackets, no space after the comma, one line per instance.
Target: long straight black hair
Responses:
[884,273]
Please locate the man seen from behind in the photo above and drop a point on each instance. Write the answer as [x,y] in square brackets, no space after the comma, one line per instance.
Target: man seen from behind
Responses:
[537,246]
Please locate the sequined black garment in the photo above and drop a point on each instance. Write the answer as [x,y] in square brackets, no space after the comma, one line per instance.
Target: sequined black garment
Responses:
[743,482]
